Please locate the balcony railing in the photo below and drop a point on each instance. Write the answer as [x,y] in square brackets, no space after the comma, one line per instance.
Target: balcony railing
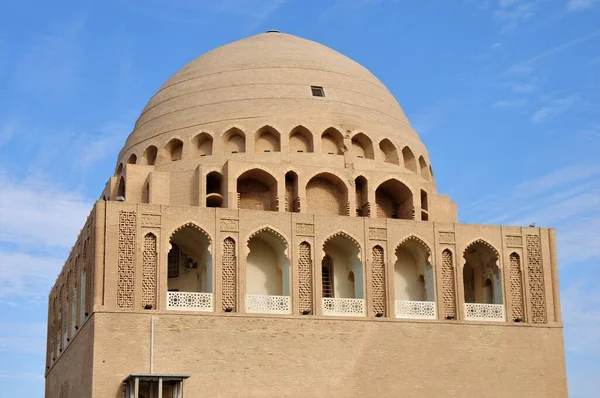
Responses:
[190,301]
[263,304]
[415,309]
[484,312]
[343,306]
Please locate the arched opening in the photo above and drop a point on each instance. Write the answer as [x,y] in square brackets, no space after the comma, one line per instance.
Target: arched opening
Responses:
[173,150]
[203,143]
[326,194]
[424,206]
[482,282]
[257,190]
[146,193]
[292,201]
[132,159]
[424,168]
[332,142]
[342,277]
[214,193]
[362,146]
[267,139]
[481,265]
[267,274]
[189,270]
[362,199]
[413,273]
[149,156]
[394,200]
[119,169]
[389,153]
[234,141]
[301,140]
[409,159]
[121,187]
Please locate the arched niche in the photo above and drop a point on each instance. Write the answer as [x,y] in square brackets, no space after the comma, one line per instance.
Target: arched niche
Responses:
[413,272]
[119,169]
[267,139]
[149,156]
[203,143]
[424,168]
[482,276]
[121,187]
[214,189]
[332,142]
[341,268]
[389,153]
[326,193]
[410,162]
[362,146]
[132,159]
[394,200]
[173,151]
[361,188]
[267,264]
[301,140]
[257,190]
[292,202]
[189,261]
[234,141]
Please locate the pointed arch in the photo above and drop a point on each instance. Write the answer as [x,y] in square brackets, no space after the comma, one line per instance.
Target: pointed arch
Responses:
[234,141]
[121,187]
[267,139]
[394,200]
[410,161]
[203,144]
[173,150]
[119,169]
[326,193]
[413,270]
[342,267]
[301,140]
[481,264]
[267,263]
[332,142]
[362,146]
[149,156]
[389,153]
[424,168]
[132,159]
[292,200]
[257,190]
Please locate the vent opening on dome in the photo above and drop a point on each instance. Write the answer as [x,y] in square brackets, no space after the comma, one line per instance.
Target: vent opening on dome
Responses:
[317,91]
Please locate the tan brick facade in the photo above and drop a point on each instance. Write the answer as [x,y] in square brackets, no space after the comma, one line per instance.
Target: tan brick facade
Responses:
[302,253]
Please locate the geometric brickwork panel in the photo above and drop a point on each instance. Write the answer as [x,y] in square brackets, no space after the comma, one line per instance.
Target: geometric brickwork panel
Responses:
[305,278]
[535,277]
[126,260]
[378,280]
[516,287]
[448,294]
[228,285]
[149,272]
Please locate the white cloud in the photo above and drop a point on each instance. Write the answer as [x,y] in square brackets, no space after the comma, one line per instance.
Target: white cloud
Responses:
[511,13]
[495,46]
[555,108]
[106,142]
[580,304]
[22,338]
[522,88]
[26,276]
[579,5]
[37,213]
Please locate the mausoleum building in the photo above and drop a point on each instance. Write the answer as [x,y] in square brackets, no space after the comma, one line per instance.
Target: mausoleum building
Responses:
[273,229]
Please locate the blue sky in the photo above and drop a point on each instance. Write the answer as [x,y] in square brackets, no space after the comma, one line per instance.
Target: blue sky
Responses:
[504,93]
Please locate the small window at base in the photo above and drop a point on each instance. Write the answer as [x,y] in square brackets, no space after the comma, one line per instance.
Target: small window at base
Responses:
[317,91]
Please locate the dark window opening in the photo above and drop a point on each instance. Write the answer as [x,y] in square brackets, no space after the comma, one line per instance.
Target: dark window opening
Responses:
[317,91]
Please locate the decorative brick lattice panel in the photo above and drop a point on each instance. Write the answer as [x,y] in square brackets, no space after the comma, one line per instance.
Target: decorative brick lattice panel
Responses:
[126,260]
[535,275]
[516,287]
[415,309]
[305,278]
[377,233]
[149,272]
[513,240]
[378,280]
[448,292]
[228,278]
[263,304]
[446,236]
[305,229]
[151,220]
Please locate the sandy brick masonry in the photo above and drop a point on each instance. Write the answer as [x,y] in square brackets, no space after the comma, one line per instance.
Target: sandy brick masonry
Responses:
[267,242]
